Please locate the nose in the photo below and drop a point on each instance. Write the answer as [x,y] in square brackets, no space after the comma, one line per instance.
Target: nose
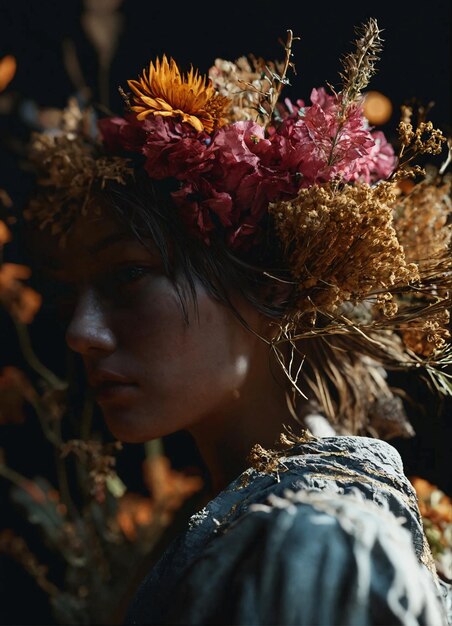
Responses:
[88,332]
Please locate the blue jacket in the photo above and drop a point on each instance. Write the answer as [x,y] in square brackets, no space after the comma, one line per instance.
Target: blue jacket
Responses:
[331,535]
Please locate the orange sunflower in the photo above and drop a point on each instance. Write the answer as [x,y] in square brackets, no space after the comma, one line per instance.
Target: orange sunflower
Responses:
[163,90]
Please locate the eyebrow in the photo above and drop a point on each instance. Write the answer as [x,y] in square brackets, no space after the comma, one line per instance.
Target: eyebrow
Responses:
[52,264]
[108,241]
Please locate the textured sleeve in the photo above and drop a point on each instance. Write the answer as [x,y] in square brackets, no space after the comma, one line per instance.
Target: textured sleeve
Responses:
[306,559]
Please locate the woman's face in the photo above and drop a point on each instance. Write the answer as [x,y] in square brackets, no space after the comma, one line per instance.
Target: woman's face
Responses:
[152,373]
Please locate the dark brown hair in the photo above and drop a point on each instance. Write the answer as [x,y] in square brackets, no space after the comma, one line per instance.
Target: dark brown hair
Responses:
[260,275]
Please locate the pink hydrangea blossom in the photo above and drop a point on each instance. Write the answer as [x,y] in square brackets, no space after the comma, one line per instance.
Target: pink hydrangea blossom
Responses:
[379,163]
[328,146]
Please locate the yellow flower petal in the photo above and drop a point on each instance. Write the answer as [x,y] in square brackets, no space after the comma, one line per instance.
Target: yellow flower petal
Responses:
[163,90]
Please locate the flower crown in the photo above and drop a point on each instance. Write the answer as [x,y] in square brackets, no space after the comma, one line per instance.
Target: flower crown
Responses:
[367,256]
[232,161]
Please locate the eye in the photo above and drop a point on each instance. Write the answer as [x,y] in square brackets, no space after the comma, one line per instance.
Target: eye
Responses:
[130,274]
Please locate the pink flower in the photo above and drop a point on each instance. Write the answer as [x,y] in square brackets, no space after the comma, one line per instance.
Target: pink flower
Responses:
[325,146]
[203,208]
[122,133]
[175,149]
[379,163]
[246,236]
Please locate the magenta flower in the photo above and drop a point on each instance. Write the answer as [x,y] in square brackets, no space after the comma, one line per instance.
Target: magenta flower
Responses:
[379,163]
[122,133]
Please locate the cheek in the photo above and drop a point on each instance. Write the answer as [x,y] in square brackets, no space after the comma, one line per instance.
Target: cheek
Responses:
[201,363]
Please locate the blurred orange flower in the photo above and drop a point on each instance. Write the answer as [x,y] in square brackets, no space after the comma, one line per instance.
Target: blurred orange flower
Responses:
[436,510]
[168,490]
[8,68]
[22,302]
[433,503]
[134,511]
[5,234]
[15,389]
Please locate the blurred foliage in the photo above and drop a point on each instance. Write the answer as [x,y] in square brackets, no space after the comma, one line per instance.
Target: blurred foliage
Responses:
[436,511]
[95,535]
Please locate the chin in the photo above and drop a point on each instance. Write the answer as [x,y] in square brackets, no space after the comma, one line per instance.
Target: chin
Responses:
[127,426]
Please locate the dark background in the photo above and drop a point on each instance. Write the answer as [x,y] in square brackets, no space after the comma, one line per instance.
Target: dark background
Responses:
[415,63]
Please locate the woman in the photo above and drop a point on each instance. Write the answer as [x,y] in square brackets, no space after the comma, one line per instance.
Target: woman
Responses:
[225,276]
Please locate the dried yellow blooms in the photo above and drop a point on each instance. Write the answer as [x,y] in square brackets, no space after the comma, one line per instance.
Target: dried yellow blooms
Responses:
[341,244]
[415,140]
[422,220]
[428,337]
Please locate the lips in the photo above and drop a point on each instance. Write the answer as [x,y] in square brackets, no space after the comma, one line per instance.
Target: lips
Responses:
[111,386]
[114,392]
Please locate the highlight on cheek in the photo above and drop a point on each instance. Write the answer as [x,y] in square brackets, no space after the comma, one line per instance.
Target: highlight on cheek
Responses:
[241,366]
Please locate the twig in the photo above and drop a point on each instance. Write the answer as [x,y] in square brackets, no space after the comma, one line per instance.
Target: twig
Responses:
[33,361]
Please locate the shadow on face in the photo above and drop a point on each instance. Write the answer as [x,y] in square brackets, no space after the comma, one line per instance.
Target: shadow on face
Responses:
[152,372]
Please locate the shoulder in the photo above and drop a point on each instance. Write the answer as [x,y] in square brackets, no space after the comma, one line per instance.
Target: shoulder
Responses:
[310,558]
[335,465]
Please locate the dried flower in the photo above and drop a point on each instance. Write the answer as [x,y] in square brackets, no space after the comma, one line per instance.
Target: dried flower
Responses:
[415,141]
[70,164]
[341,244]
[163,90]
[429,336]
[168,488]
[252,84]
[134,511]
[242,82]
[99,460]
[5,234]
[359,65]
[422,220]
[263,460]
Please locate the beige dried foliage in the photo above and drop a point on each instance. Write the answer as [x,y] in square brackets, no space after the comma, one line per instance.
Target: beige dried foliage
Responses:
[416,138]
[359,65]
[422,220]
[70,165]
[342,246]
[242,81]
[428,337]
[252,84]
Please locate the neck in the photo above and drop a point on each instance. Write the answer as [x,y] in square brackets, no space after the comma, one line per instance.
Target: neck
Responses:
[256,415]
